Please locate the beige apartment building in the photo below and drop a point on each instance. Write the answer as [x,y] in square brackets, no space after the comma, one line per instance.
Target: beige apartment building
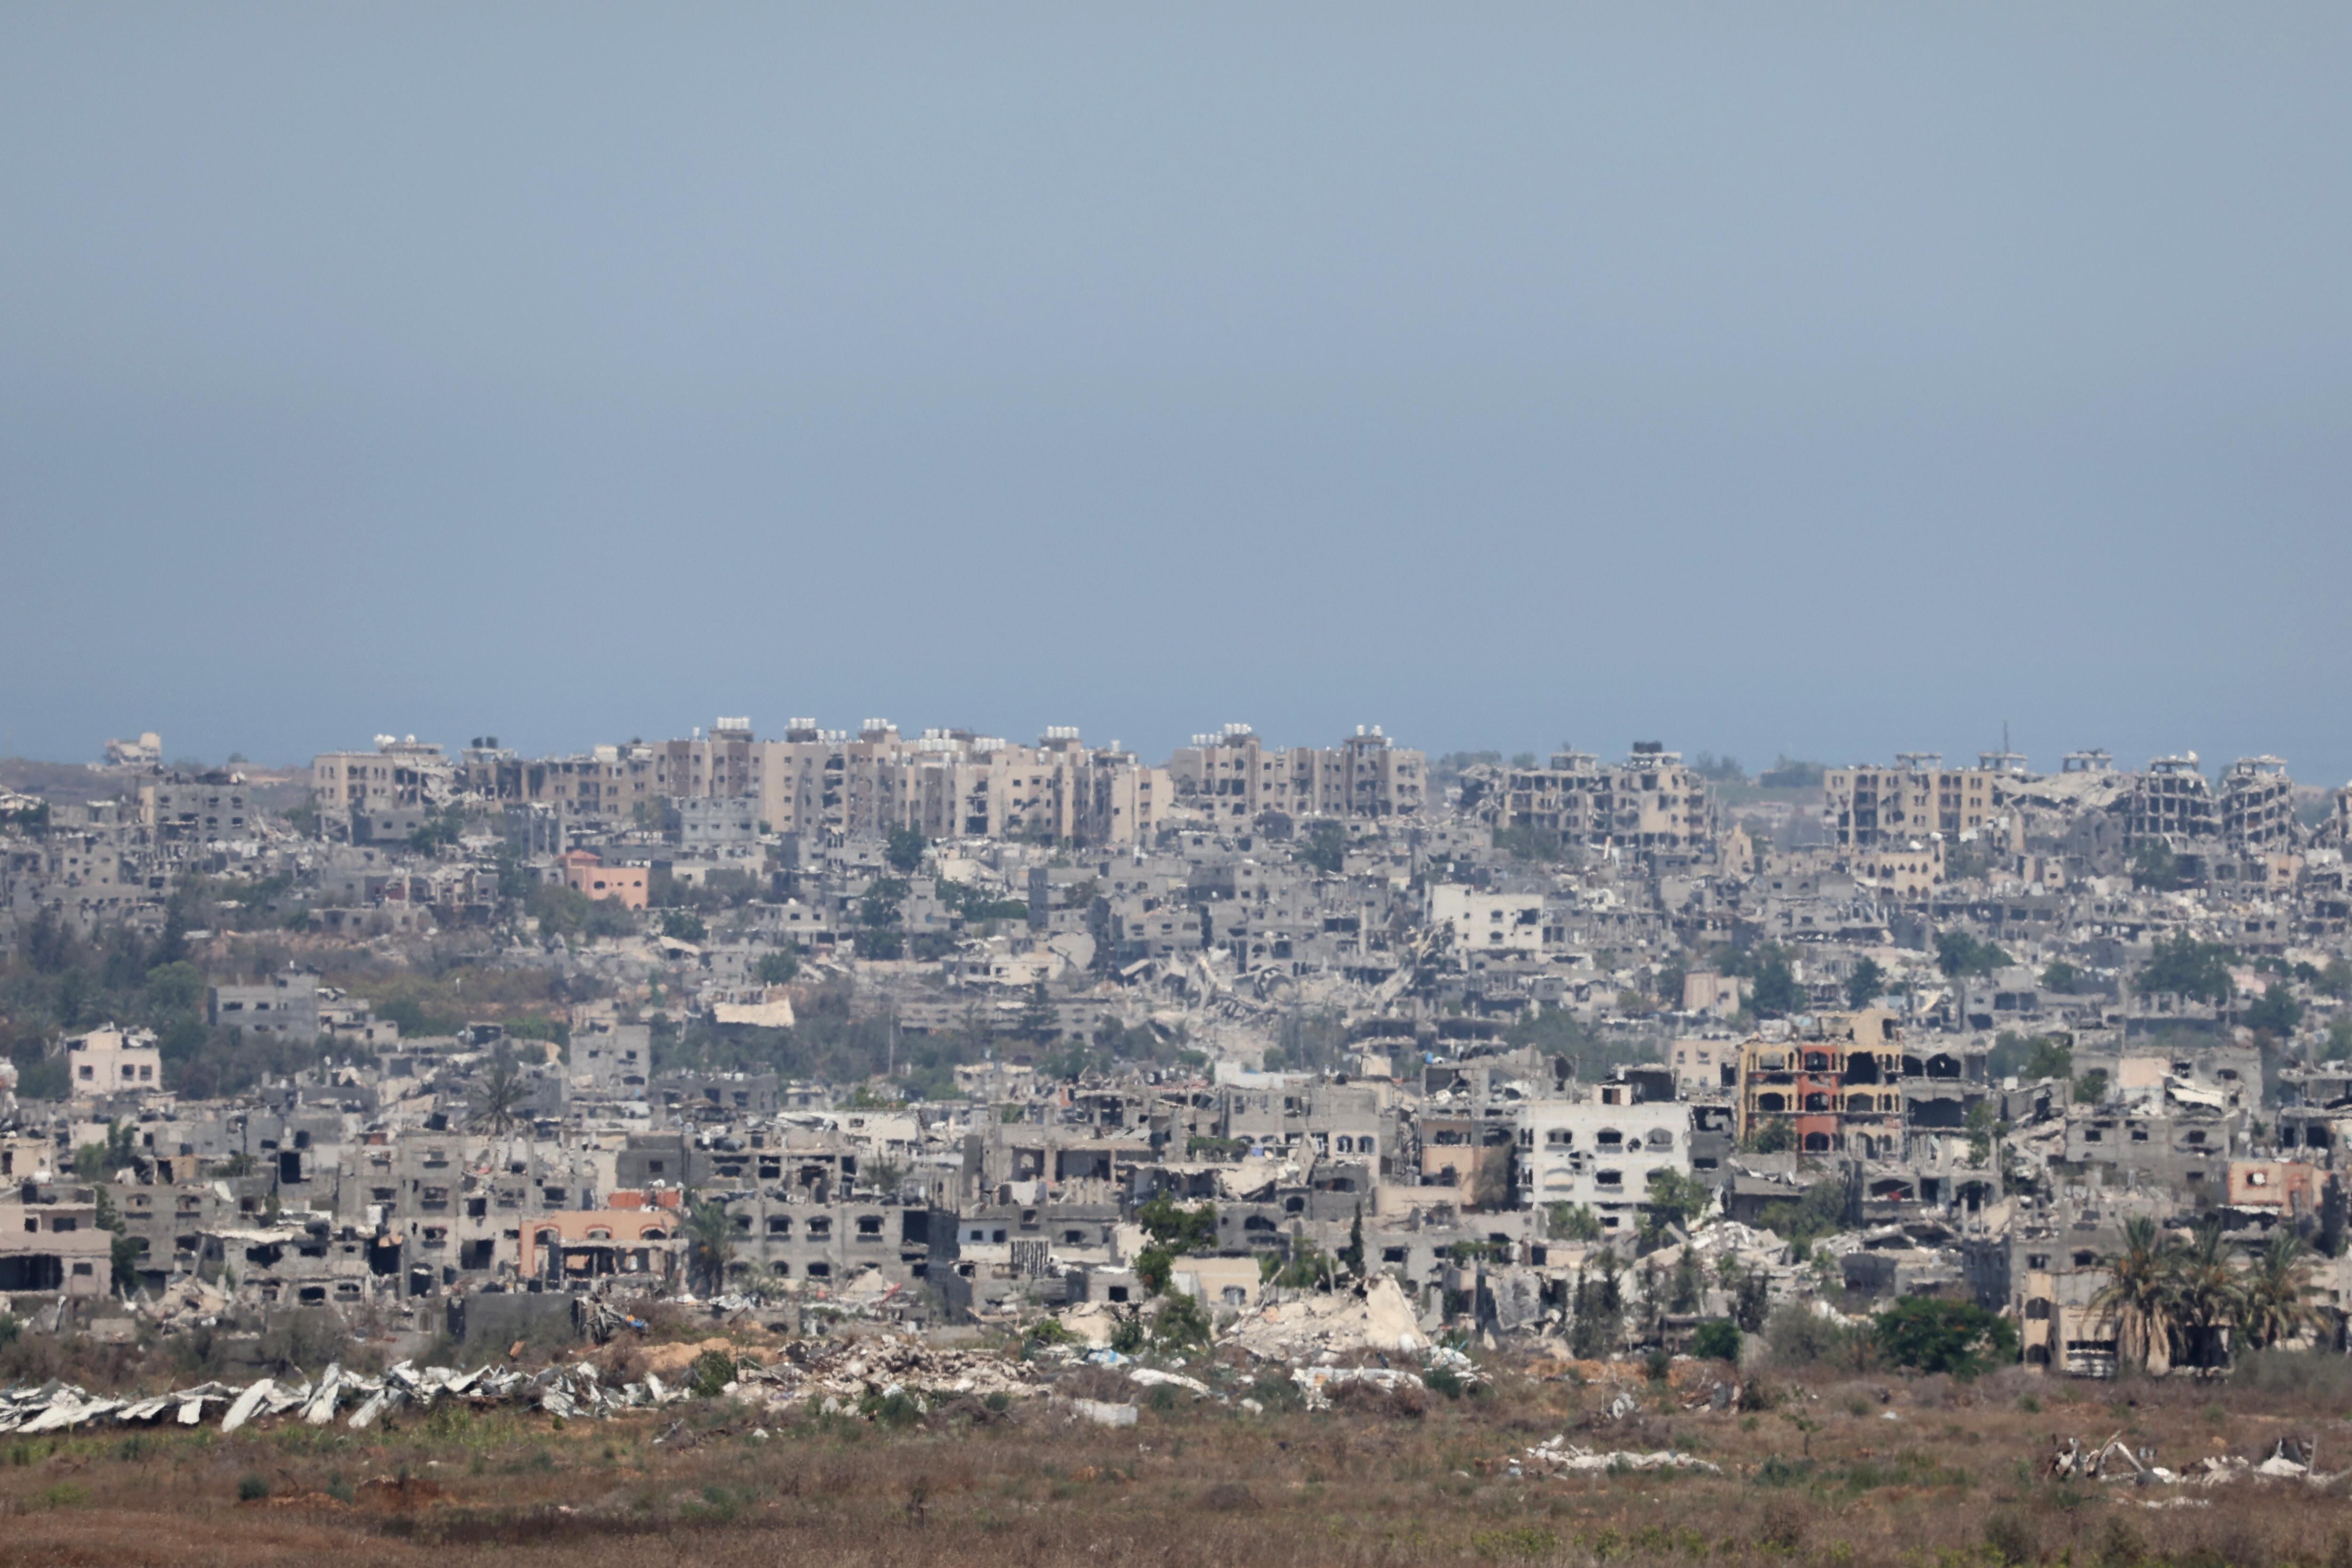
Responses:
[2257,803]
[1650,801]
[398,772]
[1234,776]
[1868,807]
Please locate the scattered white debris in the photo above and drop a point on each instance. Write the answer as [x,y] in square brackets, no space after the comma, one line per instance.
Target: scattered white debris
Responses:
[1316,1383]
[1565,1458]
[1151,1377]
[1098,1411]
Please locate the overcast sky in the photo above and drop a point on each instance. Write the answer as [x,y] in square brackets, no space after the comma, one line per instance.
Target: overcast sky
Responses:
[1829,380]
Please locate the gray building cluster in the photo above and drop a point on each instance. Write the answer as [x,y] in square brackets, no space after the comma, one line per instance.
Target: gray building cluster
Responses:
[1485,1027]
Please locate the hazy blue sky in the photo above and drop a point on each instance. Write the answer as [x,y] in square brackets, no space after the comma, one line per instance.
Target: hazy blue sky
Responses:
[1839,380]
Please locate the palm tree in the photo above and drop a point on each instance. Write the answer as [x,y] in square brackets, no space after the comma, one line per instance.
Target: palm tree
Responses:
[709,1245]
[2273,1296]
[2138,1296]
[501,1103]
[2205,1291]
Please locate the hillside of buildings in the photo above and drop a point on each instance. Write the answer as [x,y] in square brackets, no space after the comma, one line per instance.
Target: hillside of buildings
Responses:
[1330,1113]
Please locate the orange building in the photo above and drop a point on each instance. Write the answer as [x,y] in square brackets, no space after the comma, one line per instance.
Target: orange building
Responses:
[2277,1184]
[585,872]
[1839,1084]
[632,1236]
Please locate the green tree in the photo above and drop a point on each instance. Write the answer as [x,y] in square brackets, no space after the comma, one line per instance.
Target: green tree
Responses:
[1597,1308]
[1677,1198]
[1866,982]
[879,936]
[1934,1335]
[1153,1265]
[2091,1087]
[905,849]
[684,925]
[2274,1295]
[1725,769]
[1803,1220]
[1752,1301]
[1036,1023]
[1180,1325]
[2275,1013]
[1572,1222]
[2183,966]
[2061,977]
[1962,956]
[1539,846]
[2029,1057]
[1717,1338]
[1180,1229]
[1985,1129]
[1309,1267]
[2205,1293]
[779,967]
[1775,992]
[1325,846]
[709,1245]
[2138,1296]
[97,1162]
[1686,1294]
[439,832]
[2336,980]
[878,906]
[1789,773]
[2337,1046]
[1351,1257]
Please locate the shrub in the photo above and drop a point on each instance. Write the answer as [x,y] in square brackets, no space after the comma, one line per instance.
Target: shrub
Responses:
[2321,1376]
[1444,1380]
[1717,1338]
[252,1487]
[1153,1265]
[1799,1336]
[1782,1527]
[711,1373]
[2008,1538]
[1934,1335]
[1181,1322]
[897,1409]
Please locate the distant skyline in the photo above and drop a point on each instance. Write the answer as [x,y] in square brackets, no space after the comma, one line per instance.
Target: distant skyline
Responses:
[1829,380]
[2211,764]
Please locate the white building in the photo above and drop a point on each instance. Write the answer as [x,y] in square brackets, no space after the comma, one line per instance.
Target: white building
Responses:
[1508,923]
[111,1060]
[1602,1156]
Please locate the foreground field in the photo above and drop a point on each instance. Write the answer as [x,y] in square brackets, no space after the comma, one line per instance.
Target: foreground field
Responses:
[1870,1470]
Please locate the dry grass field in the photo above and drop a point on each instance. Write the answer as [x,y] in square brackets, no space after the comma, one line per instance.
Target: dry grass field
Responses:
[1876,1469]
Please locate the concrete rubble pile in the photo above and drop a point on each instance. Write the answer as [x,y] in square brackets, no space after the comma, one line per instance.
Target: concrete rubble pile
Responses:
[1317,1382]
[1299,1331]
[839,1377]
[574,1390]
[2112,1461]
[1560,1456]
